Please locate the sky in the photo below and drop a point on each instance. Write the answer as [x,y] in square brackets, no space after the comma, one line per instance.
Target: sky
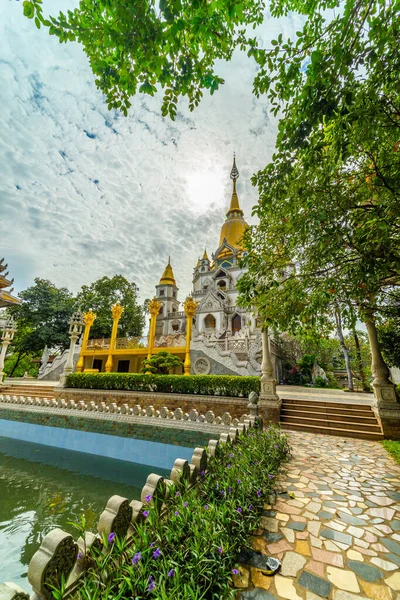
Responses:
[86,192]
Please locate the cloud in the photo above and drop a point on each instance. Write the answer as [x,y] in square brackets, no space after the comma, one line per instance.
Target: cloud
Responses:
[86,192]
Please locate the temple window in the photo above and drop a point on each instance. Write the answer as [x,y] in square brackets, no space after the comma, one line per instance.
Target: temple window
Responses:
[162,292]
[209,323]
[236,323]
[222,284]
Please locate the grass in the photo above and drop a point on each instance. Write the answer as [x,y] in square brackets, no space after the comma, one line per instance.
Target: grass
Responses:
[393,448]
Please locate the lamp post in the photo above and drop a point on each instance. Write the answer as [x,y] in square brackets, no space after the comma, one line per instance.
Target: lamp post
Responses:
[6,339]
[76,324]
[190,307]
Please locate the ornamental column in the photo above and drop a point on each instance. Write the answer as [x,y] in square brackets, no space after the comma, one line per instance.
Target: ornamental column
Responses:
[154,308]
[190,307]
[269,402]
[88,319]
[116,311]
[6,339]
[387,404]
[75,330]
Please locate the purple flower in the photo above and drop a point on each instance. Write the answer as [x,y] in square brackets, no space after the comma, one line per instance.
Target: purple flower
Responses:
[231,455]
[250,507]
[151,586]
[177,494]
[229,489]
[146,513]
[185,504]
[258,494]
[150,579]
[239,482]
[111,537]
[276,446]
[206,507]
[79,555]
[157,553]
[223,492]
[228,466]
[171,573]
[137,558]
[239,509]
[202,473]
[270,476]
[152,544]
[220,550]
[235,571]
[176,513]
[148,498]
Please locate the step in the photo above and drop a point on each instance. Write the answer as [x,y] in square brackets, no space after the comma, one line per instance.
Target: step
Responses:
[322,403]
[363,418]
[332,423]
[353,433]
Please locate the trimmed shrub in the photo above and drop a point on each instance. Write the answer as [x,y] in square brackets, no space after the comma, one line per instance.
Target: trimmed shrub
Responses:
[205,385]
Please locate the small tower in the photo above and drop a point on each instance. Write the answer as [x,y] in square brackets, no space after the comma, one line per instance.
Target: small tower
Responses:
[167,294]
[204,263]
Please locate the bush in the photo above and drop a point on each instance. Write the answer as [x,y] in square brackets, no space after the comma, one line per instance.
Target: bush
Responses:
[192,550]
[206,385]
[320,382]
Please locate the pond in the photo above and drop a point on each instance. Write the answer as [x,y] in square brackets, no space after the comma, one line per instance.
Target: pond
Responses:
[43,487]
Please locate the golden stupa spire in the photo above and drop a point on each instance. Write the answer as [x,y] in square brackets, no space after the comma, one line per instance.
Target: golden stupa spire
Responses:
[168,277]
[233,228]
[205,256]
[234,206]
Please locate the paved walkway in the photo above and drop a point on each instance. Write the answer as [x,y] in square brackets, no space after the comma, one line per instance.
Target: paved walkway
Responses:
[294,392]
[335,525]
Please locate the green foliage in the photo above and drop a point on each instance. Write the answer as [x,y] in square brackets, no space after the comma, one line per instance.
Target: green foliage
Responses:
[389,338]
[161,363]
[320,382]
[141,46]
[208,385]
[19,367]
[306,364]
[101,295]
[393,448]
[42,317]
[190,550]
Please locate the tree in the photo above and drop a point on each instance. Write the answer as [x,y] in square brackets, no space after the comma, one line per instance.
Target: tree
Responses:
[42,319]
[101,295]
[161,363]
[389,338]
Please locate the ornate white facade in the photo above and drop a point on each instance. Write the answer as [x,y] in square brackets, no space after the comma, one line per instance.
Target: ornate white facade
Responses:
[225,337]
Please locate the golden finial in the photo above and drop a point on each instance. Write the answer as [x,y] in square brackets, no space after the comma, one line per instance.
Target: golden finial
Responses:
[116,311]
[154,306]
[234,170]
[89,317]
[168,277]
[190,306]
[205,256]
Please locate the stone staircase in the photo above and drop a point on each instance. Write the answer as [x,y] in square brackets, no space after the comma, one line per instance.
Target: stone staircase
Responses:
[34,391]
[331,418]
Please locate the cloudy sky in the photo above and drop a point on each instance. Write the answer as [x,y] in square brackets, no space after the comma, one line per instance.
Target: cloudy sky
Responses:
[86,192]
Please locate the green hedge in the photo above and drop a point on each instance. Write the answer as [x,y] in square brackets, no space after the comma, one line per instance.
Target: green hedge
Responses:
[206,385]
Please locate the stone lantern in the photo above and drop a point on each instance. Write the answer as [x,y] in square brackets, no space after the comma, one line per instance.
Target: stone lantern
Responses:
[9,329]
[76,324]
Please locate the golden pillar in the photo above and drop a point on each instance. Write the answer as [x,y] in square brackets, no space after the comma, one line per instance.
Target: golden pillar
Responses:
[116,311]
[88,319]
[154,308]
[190,307]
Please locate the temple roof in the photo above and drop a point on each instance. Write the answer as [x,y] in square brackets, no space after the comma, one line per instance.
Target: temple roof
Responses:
[168,277]
[233,228]
[6,296]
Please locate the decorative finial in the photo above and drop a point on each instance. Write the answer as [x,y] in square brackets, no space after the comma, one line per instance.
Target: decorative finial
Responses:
[234,171]
[169,260]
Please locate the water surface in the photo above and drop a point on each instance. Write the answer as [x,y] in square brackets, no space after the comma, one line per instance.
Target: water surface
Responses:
[42,487]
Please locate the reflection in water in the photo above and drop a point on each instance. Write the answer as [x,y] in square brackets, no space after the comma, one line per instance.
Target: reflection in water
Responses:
[43,487]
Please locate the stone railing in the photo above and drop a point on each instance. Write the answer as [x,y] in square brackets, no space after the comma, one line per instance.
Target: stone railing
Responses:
[170,341]
[61,558]
[177,315]
[209,418]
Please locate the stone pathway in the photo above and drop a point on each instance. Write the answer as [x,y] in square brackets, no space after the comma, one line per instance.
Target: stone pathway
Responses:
[335,525]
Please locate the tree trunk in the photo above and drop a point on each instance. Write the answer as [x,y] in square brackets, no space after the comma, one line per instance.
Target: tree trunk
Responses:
[360,362]
[379,369]
[344,349]
[20,355]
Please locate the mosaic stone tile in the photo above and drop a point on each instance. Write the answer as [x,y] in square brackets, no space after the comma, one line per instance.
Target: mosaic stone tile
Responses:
[391,545]
[288,533]
[316,567]
[259,579]
[376,591]
[297,526]
[330,558]
[343,595]
[303,547]
[257,594]
[281,546]
[344,580]
[285,588]
[292,564]
[383,564]
[273,537]
[366,572]
[331,534]
[394,558]
[385,513]
[315,584]
[350,519]
[394,582]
